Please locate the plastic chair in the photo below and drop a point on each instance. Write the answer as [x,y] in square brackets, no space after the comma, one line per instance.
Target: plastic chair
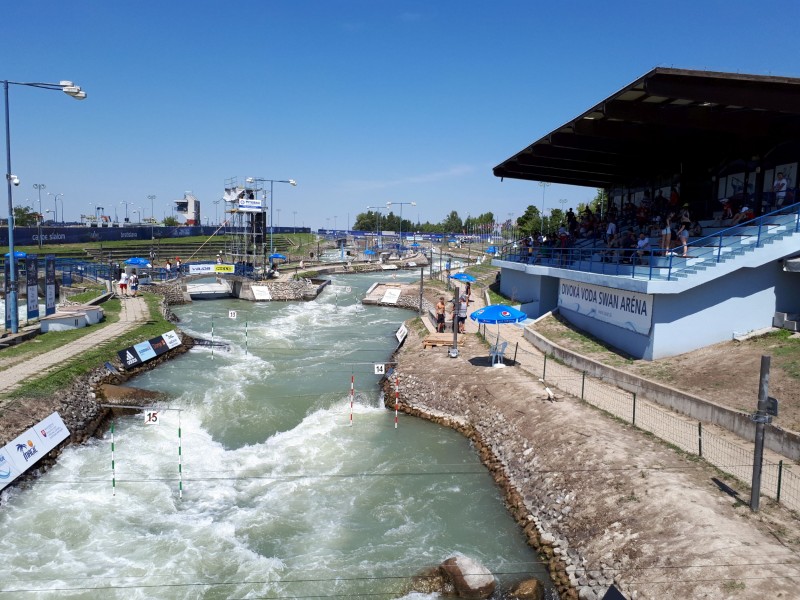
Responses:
[497,353]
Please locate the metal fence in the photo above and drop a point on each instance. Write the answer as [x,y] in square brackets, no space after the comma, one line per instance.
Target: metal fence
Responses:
[778,480]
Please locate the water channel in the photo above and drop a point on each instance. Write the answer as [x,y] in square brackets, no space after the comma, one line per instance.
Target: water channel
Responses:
[281,496]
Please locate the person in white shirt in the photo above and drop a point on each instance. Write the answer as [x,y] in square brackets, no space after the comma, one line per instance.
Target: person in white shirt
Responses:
[779,187]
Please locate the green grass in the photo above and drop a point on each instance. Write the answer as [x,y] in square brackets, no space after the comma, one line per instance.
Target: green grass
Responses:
[83,363]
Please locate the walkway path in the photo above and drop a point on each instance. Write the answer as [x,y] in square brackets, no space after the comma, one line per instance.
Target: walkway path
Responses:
[134,311]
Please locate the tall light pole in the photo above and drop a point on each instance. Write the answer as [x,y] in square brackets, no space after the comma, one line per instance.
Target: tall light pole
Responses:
[271,182]
[388,204]
[294,221]
[70,89]
[544,185]
[39,187]
[125,202]
[55,203]
[216,210]
[278,220]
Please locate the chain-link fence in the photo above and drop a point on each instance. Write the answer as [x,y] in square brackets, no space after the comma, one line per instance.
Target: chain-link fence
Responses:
[778,481]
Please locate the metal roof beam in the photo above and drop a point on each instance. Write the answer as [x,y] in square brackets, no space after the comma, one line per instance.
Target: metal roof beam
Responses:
[700,118]
[565,178]
[730,92]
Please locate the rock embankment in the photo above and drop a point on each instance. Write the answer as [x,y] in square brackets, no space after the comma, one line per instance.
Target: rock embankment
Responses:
[511,461]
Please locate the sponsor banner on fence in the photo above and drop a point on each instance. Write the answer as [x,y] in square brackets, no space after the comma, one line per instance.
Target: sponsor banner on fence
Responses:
[629,310]
[144,351]
[26,449]
[50,284]
[210,268]
[32,283]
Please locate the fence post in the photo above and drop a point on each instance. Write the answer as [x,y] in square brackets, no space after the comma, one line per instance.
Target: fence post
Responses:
[583,383]
[544,367]
[633,421]
[515,352]
[780,478]
[700,439]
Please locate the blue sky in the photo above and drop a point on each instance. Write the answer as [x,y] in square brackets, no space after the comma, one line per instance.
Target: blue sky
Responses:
[361,102]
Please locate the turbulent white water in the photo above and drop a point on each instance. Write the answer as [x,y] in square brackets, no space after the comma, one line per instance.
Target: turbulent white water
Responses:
[282,498]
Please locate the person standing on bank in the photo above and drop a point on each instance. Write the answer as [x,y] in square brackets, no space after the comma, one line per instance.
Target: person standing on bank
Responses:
[440,308]
[133,282]
[123,284]
[462,314]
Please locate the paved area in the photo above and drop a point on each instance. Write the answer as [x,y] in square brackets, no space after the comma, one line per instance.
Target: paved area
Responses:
[134,311]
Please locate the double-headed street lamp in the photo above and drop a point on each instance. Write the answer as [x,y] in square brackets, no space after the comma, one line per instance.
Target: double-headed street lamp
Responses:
[55,203]
[388,204]
[70,89]
[271,182]
[125,202]
[39,187]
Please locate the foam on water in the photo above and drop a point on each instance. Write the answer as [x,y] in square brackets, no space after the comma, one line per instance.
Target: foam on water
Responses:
[279,489]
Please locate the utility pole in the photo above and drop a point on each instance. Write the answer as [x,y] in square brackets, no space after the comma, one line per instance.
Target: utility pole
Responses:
[767,408]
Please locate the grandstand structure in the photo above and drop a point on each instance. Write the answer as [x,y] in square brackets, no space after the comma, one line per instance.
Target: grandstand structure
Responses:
[711,139]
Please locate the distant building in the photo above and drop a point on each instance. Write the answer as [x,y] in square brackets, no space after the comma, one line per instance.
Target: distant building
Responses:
[189,206]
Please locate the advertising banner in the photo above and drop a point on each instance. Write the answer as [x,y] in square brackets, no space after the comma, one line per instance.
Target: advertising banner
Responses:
[32,282]
[50,284]
[250,205]
[144,351]
[629,310]
[210,269]
[25,450]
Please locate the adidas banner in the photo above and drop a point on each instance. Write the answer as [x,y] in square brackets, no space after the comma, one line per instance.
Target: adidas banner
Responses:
[142,352]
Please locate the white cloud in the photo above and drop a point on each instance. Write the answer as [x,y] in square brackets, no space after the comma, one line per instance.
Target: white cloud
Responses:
[364,185]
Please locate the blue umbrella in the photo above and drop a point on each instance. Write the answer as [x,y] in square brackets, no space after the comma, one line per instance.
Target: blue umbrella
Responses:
[463,277]
[278,256]
[18,254]
[415,245]
[498,313]
[138,262]
[369,251]
[491,250]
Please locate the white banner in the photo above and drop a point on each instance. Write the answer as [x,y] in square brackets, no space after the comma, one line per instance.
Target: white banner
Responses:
[172,339]
[198,269]
[629,310]
[250,205]
[21,453]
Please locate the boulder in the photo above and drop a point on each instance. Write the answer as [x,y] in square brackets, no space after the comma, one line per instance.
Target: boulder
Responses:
[529,589]
[470,578]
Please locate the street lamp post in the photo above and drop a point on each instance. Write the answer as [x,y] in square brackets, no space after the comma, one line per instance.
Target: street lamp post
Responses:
[271,182]
[39,187]
[216,211]
[388,204]
[294,221]
[152,197]
[125,202]
[70,89]
[377,224]
[55,203]
[544,185]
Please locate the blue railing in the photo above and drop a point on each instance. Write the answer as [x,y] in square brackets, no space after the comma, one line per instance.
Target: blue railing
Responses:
[593,257]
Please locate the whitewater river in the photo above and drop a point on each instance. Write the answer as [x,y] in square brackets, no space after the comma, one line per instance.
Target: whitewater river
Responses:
[281,496]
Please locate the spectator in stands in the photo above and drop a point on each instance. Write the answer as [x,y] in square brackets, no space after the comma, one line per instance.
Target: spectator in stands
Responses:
[611,230]
[745,214]
[674,198]
[683,237]
[629,212]
[684,217]
[779,187]
[666,233]
[613,246]
[697,229]
[643,247]
[659,203]
[628,243]
[727,210]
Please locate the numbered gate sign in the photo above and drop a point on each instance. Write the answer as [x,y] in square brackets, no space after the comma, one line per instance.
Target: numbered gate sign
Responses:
[231,314]
[151,417]
[380,369]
